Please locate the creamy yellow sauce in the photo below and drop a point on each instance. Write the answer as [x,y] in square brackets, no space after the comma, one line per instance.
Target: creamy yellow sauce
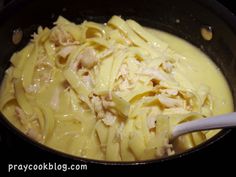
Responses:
[105,92]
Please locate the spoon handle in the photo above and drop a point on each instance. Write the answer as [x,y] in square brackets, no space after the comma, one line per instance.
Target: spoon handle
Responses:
[221,121]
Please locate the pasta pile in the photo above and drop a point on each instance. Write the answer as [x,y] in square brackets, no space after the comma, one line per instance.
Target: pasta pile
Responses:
[103,91]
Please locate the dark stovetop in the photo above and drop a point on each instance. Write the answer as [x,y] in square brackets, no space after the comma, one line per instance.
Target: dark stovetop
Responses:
[219,157]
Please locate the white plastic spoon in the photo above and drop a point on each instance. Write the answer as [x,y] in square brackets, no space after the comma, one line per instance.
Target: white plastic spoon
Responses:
[216,122]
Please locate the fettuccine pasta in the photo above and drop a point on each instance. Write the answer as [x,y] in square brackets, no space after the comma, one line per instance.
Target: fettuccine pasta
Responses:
[109,91]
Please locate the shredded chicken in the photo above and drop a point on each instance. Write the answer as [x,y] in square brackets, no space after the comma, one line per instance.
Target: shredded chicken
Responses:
[65,51]
[167,66]
[34,134]
[123,71]
[20,114]
[125,81]
[88,58]
[98,108]
[60,37]
[87,80]
[165,150]
[120,130]
[151,122]
[126,85]
[156,74]
[104,109]
[169,102]
[172,92]
[107,104]
[109,118]
[30,129]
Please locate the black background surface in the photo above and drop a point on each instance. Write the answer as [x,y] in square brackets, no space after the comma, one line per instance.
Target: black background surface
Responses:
[219,159]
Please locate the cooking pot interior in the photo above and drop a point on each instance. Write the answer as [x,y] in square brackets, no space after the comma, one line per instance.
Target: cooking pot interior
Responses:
[183,18]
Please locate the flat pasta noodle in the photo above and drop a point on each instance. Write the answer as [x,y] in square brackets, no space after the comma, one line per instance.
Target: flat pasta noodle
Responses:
[7,89]
[147,36]
[49,122]
[21,98]
[28,70]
